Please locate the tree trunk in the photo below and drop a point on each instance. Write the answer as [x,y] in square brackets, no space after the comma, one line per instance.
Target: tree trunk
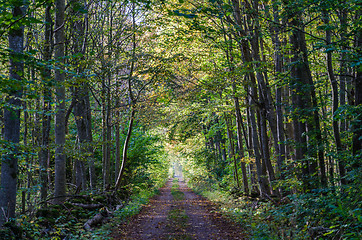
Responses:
[302,85]
[125,149]
[335,99]
[249,145]
[9,166]
[221,143]
[265,145]
[82,109]
[343,70]
[60,158]
[118,143]
[256,145]
[266,107]
[278,63]
[132,102]
[357,129]
[240,144]
[47,98]
[247,59]
[232,150]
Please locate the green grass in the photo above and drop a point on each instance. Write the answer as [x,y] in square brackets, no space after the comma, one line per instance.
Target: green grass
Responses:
[177,218]
[177,224]
[177,194]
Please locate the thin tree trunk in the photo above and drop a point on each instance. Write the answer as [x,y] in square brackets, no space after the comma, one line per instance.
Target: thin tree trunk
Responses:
[118,143]
[60,158]
[105,172]
[265,145]
[240,144]
[232,150]
[265,106]
[131,101]
[343,65]
[221,143]
[335,97]
[278,95]
[47,98]
[125,149]
[108,134]
[118,151]
[256,144]
[249,141]
[26,125]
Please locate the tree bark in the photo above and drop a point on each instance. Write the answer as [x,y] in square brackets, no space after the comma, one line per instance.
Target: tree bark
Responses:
[82,109]
[278,63]
[253,97]
[125,149]
[118,144]
[240,144]
[255,143]
[9,166]
[47,98]
[60,158]
[265,99]
[232,150]
[357,129]
[132,101]
[335,104]
[302,87]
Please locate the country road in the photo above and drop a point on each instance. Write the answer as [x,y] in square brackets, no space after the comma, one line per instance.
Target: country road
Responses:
[187,217]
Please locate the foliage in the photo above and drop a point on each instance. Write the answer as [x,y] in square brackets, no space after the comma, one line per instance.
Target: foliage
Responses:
[322,214]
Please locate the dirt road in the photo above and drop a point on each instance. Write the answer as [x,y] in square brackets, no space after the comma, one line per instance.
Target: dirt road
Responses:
[178,213]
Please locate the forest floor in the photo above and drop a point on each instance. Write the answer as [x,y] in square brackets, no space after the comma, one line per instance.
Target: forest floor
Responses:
[178,213]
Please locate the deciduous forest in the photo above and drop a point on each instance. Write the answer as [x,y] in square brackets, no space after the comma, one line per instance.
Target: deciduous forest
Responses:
[256,105]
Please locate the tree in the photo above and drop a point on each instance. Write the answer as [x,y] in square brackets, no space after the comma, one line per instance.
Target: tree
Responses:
[9,166]
[60,158]
[44,154]
[357,135]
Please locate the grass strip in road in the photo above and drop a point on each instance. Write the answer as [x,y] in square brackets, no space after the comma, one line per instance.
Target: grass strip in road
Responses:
[177,218]
[176,193]
[177,224]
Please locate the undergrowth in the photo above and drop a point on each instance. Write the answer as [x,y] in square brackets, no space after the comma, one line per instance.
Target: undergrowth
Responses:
[66,221]
[328,214]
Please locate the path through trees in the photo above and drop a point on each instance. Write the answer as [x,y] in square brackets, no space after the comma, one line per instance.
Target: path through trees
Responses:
[169,216]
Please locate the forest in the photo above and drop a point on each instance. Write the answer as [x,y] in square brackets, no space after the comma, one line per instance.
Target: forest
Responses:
[256,103]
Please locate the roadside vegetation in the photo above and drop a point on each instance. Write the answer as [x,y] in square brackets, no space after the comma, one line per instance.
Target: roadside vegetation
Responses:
[330,213]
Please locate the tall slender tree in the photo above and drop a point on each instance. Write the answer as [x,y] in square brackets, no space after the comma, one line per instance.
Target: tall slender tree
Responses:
[9,166]
[44,154]
[60,158]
